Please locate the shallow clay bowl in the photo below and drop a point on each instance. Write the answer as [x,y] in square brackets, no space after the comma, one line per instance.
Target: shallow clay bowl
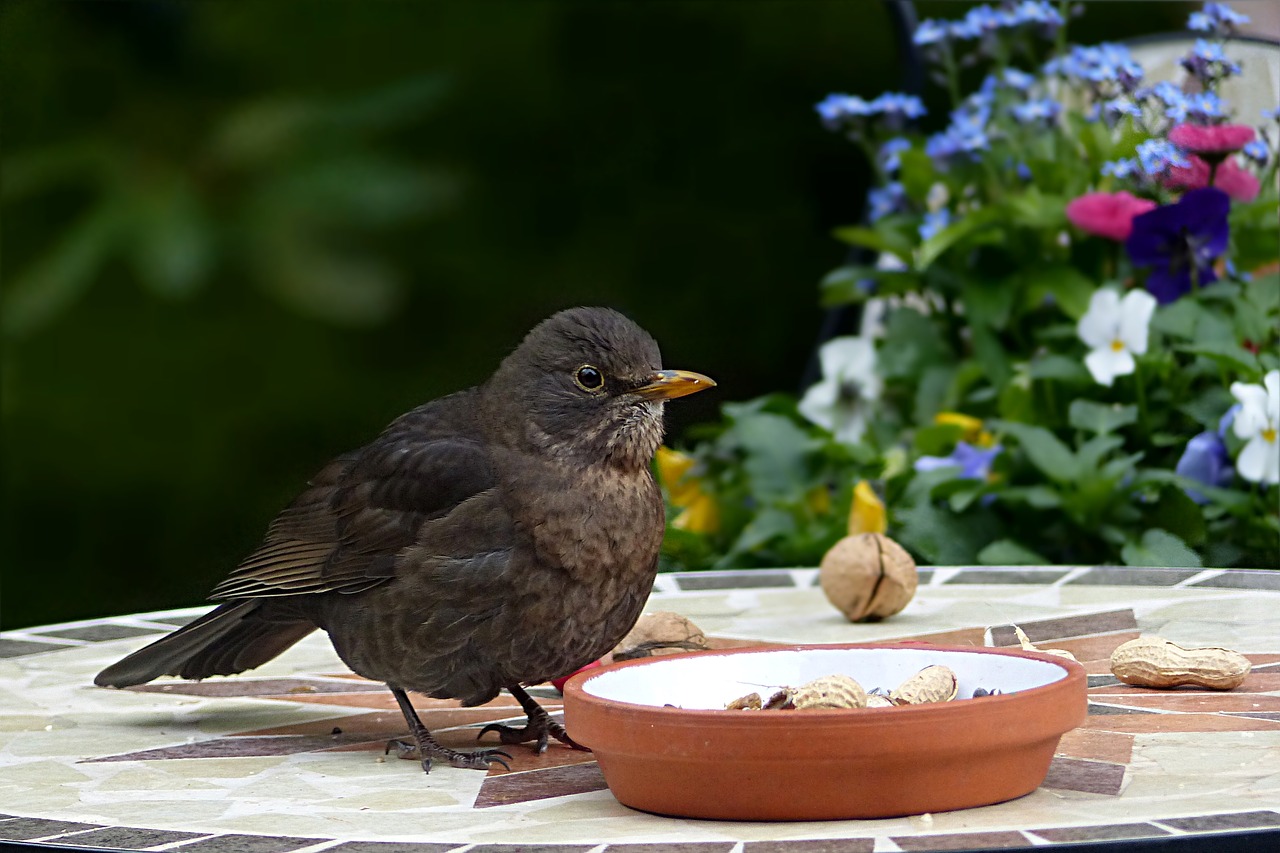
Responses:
[698,760]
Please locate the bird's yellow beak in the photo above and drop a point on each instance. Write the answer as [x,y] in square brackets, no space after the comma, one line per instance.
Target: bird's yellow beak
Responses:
[669,384]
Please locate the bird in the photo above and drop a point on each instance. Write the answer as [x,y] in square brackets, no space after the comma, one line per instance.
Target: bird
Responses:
[490,539]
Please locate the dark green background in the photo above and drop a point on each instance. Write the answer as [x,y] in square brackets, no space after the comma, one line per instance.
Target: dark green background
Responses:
[663,158]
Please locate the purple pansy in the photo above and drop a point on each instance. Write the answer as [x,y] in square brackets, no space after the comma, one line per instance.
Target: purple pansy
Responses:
[1205,460]
[1180,240]
[974,462]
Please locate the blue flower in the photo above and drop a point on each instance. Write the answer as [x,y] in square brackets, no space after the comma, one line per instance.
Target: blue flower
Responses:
[974,463]
[931,32]
[1180,240]
[1257,152]
[1205,460]
[1122,169]
[934,222]
[1209,63]
[1101,63]
[980,21]
[837,109]
[965,137]
[1217,18]
[888,154]
[882,201]
[897,107]
[1204,108]
[1041,13]
[1111,110]
[1042,110]
[1017,79]
[1274,115]
[1157,156]
[1172,100]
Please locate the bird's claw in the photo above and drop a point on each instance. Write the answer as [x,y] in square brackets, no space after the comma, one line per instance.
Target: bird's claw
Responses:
[538,734]
[479,759]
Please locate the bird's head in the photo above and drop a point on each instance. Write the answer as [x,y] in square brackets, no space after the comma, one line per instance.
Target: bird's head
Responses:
[587,383]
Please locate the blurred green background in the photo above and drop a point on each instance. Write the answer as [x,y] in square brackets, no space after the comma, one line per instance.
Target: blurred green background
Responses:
[238,239]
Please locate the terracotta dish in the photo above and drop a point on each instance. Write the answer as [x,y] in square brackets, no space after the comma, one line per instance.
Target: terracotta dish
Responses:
[665,744]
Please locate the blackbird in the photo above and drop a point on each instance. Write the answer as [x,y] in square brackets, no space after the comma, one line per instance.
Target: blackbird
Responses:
[500,536]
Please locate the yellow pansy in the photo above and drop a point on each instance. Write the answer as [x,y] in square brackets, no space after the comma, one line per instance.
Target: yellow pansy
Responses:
[970,427]
[699,511]
[866,513]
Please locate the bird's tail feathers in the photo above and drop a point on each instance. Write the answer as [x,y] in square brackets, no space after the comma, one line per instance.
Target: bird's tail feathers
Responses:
[228,639]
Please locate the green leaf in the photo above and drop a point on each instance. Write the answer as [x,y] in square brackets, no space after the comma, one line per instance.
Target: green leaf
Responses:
[1228,355]
[1175,511]
[1178,319]
[912,343]
[849,283]
[1031,209]
[775,449]
[1059,367]
[989,352]
[932,391]
[1091,453]
[942,537]
[1069,287]
[768,524]
[937,439]
[966,226]
[988,302]
[1006,552]
[881,239]
[1100,418]
[1159,548]
[1045,451]
[1038,497]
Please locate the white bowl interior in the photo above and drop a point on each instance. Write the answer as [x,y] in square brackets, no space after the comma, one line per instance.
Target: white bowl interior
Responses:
[708,681]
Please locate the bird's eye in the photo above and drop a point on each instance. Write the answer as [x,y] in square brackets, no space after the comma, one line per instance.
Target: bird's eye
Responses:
[589,378]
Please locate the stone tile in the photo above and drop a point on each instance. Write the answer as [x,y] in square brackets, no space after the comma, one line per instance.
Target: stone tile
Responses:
[673,847]
[1128,576]
[1096,708]
[1262,715]
[819,845]
[530,848]
[390,847]
[1115,747]
[1242,579]
[507,788]
[961,637]
[1089,649]
[1107,832]
[962,841]
[1152,723]
[1197,702]
[129,838]
[1091,777]
[1066,626]
[1007,576]
[1265,681]
[290,688]
[1103,681]
[101,633]
[1224,822]
[760,578]
[28,828]
[11,648]
[246,844]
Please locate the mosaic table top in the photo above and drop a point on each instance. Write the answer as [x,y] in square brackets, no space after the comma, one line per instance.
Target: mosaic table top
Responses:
[290,756]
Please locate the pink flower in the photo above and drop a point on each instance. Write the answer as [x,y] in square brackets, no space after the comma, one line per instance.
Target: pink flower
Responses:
[1108,215]
[1212,142]
[1230,178]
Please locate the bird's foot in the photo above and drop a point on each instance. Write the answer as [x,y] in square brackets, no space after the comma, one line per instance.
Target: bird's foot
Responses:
[538,730]
[479,759]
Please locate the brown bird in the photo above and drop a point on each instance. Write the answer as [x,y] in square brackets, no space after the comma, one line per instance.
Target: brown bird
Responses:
[500,536]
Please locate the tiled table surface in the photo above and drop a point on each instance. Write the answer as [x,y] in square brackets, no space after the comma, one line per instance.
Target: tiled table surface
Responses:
[290,756]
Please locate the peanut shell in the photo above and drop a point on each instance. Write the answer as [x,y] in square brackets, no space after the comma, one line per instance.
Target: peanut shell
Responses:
[1155,662]
[830,691]
[931,684]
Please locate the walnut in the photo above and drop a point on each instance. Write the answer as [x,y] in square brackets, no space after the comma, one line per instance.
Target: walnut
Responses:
[661,633]
[868,577]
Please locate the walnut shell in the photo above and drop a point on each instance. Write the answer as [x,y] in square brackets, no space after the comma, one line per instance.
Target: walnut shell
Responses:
[868,577]
[830,691]
[660,633]
[931,684]
[750,702]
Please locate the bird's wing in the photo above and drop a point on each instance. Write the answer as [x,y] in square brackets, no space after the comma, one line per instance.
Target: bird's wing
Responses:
[344,533]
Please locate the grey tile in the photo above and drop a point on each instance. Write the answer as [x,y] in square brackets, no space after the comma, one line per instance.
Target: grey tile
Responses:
[673,847]
[1020,575]
[692,581]
[1130,576]
[28,828]
[820,845]
[1224,822]
[247,844]
[963,841]
[1242,579]
[390,847]
[129,838]
[1082,625]
[1103,681]
[531,848]
[507,788]
[1106,832]
[100,633]
[1080,774]
[1099,710]
[10,648]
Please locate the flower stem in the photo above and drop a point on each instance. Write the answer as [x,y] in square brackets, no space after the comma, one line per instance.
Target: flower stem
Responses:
[1144,421]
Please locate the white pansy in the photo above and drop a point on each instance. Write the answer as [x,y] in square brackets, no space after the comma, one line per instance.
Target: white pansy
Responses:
[1116,330]
[849,382]
[1258,422]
